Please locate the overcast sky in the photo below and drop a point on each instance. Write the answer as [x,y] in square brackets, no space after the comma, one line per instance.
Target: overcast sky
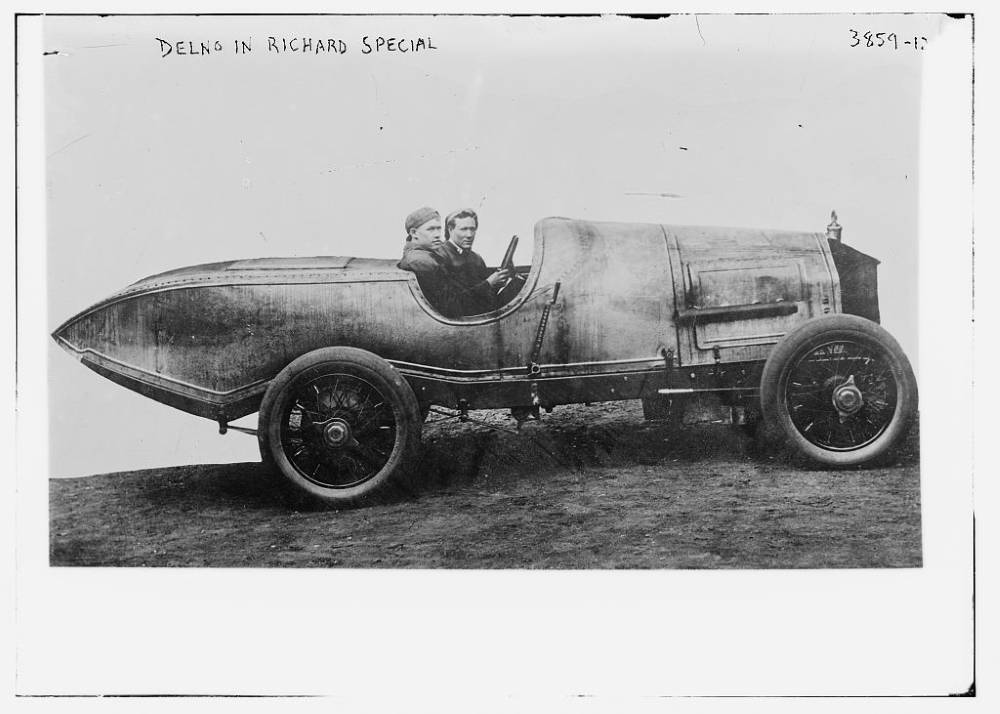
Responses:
[154,162]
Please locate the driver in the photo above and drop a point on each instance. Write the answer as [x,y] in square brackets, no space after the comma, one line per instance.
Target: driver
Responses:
[476,285]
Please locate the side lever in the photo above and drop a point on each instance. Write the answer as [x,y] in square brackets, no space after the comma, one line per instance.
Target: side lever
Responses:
[536,349]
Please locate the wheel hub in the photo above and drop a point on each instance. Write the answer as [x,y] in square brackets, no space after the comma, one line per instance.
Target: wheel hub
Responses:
[337,433]
[847,398]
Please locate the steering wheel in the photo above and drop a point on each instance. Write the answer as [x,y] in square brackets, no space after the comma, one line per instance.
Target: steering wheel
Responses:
[508,257]
[514,281]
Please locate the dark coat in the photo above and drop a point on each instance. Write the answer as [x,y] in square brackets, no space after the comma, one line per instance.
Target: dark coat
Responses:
[468,271]
[435,281]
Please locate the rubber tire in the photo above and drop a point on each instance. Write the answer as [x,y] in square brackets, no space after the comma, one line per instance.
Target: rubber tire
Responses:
[804,339]
[357,362]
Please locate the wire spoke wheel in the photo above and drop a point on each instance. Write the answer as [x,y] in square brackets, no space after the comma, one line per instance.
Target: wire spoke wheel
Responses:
[841,395]
[841,390]
[338,430]
[339,423]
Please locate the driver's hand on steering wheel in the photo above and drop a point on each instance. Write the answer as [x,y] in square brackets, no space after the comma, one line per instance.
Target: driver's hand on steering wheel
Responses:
[501,276]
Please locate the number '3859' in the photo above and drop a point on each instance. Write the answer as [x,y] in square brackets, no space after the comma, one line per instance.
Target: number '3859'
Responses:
[881,39]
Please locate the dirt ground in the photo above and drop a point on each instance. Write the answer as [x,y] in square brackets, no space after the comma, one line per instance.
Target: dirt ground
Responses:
[586,487]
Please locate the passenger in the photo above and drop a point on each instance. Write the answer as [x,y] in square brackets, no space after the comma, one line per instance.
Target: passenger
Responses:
[422,255]
[476,284]
[423,228]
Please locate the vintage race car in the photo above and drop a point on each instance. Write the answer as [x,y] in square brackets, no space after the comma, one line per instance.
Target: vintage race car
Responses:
[344,357]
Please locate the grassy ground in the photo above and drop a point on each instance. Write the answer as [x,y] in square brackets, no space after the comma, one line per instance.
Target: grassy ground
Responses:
[587,487]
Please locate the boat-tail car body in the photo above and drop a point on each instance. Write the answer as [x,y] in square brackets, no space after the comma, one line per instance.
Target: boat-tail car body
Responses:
[344,357]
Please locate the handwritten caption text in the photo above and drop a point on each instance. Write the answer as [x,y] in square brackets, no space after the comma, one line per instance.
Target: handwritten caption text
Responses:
[300,45]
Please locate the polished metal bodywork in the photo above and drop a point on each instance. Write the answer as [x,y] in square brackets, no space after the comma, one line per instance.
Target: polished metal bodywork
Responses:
[641,307]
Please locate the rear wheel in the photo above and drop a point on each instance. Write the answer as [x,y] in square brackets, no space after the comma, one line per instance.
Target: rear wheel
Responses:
[339,424]
[840,389]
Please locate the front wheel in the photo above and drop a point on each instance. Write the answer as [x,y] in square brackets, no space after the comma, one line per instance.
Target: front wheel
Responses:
[840,389]
[339,424]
